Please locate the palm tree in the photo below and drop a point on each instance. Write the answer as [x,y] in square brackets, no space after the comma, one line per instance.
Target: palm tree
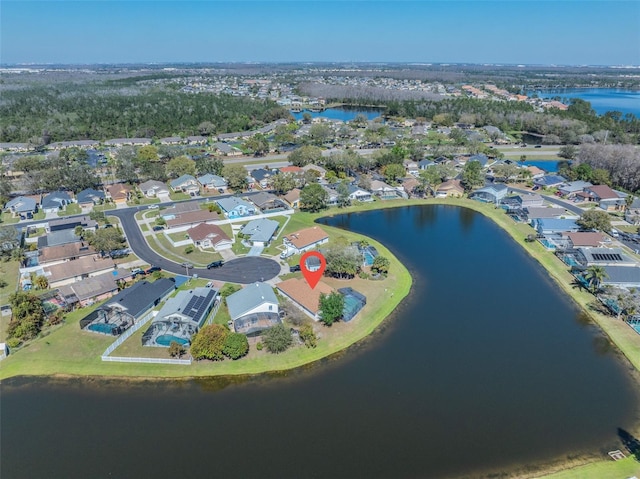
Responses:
[594,275]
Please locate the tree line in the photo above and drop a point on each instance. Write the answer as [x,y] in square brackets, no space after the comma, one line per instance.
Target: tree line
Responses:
[43,113]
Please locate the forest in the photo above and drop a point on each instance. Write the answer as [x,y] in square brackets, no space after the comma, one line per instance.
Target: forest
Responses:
[40,113]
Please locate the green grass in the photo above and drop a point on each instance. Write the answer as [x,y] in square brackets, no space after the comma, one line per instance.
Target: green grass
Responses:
[9,271]
[8,219]
[198,258]
[179,196]
[72,209]
[606,469]
[104,207]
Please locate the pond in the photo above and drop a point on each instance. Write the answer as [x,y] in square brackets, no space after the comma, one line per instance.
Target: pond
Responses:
[485,368]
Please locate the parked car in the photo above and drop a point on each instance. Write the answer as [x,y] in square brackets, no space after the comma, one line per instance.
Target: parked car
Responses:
[158,228]
[153,269]
[215,264]
[538,146]
[294,269]
[220,190]
[137,271]
[153,207]
[535,188]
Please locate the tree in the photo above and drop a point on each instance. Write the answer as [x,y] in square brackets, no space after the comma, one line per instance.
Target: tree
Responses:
[393,172]
[594,275]
[209,164]
[8,242]
[27,315]
[147,153]
[595,220]
[283,182]
[176,349]
[277,339]
[430,178]
[313,198]
[236,345]
[343,194]
[41,282]
[305,155]
[106,239]
[320,133]
[342,262]
[568,151]
[236,176]
[381,265]
[208,343]
[331,307]
[179,166]
[472,175]
[206,128]
[258,143]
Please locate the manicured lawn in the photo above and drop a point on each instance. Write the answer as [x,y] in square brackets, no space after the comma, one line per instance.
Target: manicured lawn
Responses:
[179,196]
[9,271]
[72,209]
[104,207]
[8,219]
[606,469]
[197,257]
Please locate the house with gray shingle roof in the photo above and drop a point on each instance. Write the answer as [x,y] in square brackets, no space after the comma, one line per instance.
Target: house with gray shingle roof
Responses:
[22,205]
[260,231]
[212,182]
[153,188]
[56,201]
[186,184]
[490,194]
[253,309]
[89,197]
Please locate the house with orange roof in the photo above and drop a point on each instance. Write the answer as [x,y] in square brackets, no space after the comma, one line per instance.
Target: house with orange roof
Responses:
[303,296]
[450,189]
[119,193]
[304,240]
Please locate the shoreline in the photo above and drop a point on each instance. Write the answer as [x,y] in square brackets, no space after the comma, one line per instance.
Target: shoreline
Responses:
[543,257]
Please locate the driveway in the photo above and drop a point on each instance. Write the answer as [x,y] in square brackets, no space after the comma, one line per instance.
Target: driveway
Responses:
[553,199]
[242,270]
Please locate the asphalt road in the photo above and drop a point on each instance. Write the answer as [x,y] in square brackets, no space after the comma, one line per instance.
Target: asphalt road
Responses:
[248,269]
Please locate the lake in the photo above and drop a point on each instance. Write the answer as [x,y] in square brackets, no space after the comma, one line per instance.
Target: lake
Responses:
[484,368]
[344,113]
[602,99]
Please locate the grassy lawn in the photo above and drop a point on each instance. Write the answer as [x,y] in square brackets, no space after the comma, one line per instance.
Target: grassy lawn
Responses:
[72,209]
[8,219]
[178,196]
[198,258]
[606,469]
[9,271]
[177,236]
[104,207]
[144,227]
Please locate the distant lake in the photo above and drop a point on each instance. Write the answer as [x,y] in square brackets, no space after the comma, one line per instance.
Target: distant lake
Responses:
[485,367]
[344,113]
[602,99]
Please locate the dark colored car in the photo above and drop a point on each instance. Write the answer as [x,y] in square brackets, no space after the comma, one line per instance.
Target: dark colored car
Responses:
[153,269]
[215,264]
[295,268]
[220,190]
[158,228]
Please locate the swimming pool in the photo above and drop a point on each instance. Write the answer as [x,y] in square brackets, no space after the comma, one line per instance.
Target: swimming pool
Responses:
[635,326]
[103,328]
[353,303]
[167,339]
[547,244]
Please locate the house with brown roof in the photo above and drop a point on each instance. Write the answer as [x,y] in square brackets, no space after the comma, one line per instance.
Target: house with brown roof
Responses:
[154,189]
[89,290]
[450,189]
[293,198]
[410,186]
[536,172]
[303,296]
[77,270]
[119,193]
[50,255]
[304,240]
[589,239]
[209,236]
[606,198]
[192,218]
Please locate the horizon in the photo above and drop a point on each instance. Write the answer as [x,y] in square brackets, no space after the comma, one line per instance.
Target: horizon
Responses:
[492,33]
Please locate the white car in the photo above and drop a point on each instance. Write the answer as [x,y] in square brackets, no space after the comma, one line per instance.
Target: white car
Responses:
[153,207]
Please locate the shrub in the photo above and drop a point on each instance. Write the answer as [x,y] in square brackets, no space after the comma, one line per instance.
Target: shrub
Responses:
[13,343]
[236,345]
[308,336]
[277,339]
[189,249]
[176,349]
[209,342]
[259,346]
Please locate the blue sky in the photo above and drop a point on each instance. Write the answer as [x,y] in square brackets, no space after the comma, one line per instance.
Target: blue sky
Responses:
[542,32]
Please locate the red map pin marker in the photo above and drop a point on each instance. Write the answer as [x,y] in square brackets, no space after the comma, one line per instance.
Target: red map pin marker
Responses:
[312,271]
